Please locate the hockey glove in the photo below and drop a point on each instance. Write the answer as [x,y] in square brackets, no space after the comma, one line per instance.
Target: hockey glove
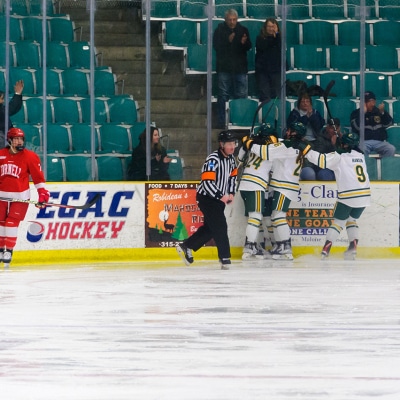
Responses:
[302,145]
[44,196]
[247,143]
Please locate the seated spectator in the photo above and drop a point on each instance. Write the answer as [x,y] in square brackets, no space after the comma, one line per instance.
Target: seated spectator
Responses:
[308,116]
[159,159]
[377,120]
[326,143]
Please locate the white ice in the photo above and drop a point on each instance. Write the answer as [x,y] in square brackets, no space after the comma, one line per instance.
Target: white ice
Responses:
[302,330]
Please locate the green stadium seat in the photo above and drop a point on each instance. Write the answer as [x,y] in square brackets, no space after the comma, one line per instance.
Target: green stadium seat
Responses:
[54,81]
[81,136]
[32,28]
[179,33]
[19,7]
[372,168]
[375,82]
[345,84]
[308,57]
[396,110]
[393,133]
[254,26]
[61,29]
[34,110]
[28,54]
[390,167]
[175,168]
[110,168]
[123,109]
[58,55]
[75,81]
[58,138]
[386,33]
[318,32]
[79,53]
[15,28]
[353,9]
[344,58]
[222,5]
[332,9]
[349,33]
[395,87]
[298,9]
[292,77]
[28,75]
[105,82]
[340,107]
[193,9]
[67,110]
[116,138]
[204,29]
[381,58]
[33,135]
[240,113]
[195,59]
[55,169]
[259,9]
[35,7]
[136,130]
[162,9]
[101,110]
[78,168]
[389,9]
[12,54]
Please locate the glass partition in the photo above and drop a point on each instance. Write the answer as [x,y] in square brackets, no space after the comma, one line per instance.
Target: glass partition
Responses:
[98,73]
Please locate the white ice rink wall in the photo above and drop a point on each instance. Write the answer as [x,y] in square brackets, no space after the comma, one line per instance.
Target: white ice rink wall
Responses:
[142,221]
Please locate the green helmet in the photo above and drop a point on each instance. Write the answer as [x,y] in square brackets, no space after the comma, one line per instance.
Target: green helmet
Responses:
[299,128]
[267,133]
[352,139]
[226,136]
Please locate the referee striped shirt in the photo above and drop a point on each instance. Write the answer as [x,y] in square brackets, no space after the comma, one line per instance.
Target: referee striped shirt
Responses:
[218,175]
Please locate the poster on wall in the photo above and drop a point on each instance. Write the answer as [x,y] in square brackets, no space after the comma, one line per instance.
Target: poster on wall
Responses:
[172,213]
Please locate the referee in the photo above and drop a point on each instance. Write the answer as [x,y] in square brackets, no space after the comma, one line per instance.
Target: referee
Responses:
[216,189]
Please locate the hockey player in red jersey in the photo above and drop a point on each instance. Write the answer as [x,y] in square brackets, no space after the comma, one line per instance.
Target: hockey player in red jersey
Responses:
[17,164]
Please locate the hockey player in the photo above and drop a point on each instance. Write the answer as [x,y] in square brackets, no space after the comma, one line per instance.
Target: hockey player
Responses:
[17,165]
[253,188]
[216,189]
[285,183]
[354,193]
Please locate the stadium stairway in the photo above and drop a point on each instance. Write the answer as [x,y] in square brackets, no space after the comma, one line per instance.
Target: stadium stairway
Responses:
[177,105]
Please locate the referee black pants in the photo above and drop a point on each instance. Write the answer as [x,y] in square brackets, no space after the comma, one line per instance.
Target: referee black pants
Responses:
[214,227]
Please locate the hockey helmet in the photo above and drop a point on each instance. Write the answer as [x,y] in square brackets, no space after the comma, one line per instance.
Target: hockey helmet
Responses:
[352,139]
[226,136]
[16,133]
[267,132]
[299,128]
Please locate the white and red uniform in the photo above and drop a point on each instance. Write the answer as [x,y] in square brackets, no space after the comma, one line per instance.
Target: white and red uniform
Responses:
[15,172]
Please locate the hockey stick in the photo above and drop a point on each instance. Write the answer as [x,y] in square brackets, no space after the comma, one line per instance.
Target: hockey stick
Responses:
[325,97]
[85,206]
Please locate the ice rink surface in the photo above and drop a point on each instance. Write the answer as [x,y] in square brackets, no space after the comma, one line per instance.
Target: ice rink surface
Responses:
[161,331]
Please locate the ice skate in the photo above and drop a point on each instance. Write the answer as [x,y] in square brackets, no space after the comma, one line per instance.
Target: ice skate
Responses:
[268,253]
[249,250]
[225,262]
[326,249]
[283,251]
[185,254]
[351,252]
[6,257]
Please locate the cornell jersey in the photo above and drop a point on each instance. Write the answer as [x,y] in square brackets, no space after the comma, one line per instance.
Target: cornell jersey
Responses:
[218,176]
[15,170]
[285,168]
[351,175]
[255,172]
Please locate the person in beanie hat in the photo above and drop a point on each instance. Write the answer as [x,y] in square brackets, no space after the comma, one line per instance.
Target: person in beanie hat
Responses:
[377,120]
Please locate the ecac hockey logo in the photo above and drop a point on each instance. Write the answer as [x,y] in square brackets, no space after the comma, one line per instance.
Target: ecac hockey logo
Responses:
[35,232]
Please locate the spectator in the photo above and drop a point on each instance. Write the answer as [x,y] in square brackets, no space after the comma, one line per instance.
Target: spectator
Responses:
[377,120]
[268,60]
[14,106]
[159,159]
[231,42]
[308,116]
[326,143]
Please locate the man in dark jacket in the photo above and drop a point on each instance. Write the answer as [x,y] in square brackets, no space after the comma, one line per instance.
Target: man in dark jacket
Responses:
[14,106]
[377,120]
[231,42]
